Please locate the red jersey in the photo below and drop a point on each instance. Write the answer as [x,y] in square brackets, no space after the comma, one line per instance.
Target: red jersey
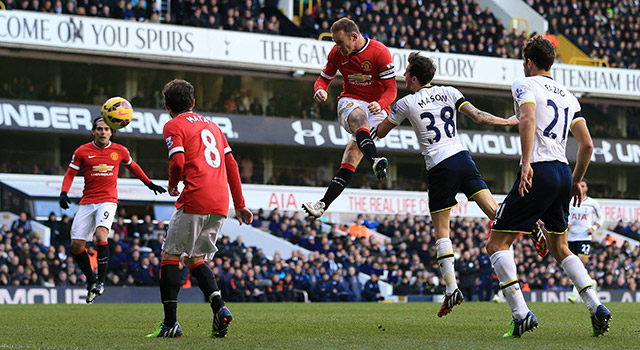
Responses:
[206,189]
[367,74]
[100,167]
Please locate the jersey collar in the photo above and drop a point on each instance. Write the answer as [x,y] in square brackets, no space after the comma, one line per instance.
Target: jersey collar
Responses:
[183,113]
[546,76]
[98,147]
[363,48]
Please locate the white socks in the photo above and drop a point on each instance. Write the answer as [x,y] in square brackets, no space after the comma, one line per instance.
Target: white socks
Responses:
[444,251]
[505,267]
[581,280]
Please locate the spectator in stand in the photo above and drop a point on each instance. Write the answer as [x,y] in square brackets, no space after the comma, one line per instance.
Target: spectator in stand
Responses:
[371,291]
[23,222]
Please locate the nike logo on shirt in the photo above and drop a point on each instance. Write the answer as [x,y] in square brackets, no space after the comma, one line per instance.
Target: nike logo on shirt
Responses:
[90,157]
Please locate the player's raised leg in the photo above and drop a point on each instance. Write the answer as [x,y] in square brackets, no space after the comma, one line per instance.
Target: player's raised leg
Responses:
[574,268]
[350,160]
[505,267]
[444,248]
[359,124]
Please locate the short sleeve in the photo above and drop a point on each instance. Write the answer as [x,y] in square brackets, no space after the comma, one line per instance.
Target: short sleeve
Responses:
[522,92]
[456,96]
[173,138]
[577,116]
[399,112]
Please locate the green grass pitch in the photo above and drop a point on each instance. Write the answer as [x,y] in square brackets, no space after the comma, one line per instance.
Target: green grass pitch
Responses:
[313,326]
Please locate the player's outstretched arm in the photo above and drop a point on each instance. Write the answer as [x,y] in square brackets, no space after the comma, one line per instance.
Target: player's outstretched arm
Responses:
[483,117]
[585,148]
[382,129]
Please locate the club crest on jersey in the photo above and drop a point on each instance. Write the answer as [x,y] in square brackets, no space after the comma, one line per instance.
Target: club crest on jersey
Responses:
[114,156]
[103,168]
[366,66]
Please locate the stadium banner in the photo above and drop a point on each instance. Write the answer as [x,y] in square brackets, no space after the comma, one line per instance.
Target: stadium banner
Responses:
[290,198]
[230,49]
[148,123]
[77,295]
[606,296]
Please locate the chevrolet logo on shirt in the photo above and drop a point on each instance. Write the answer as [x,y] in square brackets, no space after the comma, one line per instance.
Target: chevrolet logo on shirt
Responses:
[103,168]
[359,77]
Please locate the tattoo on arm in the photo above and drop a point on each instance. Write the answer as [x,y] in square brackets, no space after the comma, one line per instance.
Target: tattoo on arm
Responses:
[485,118]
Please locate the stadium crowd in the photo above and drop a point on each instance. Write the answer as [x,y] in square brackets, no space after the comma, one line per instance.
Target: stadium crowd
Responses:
[405,259]
[601,29]
[606,30]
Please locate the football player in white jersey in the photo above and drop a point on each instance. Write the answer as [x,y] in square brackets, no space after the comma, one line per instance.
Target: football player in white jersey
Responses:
[547,112]
[432,110]
[583,222]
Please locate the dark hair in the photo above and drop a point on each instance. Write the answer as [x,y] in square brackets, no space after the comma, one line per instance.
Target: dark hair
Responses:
[178,95]
[421,67]
[100,119]
[346,25]
[541,51]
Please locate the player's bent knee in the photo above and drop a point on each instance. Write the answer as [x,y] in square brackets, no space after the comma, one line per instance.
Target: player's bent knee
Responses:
[358,119]
[77,246]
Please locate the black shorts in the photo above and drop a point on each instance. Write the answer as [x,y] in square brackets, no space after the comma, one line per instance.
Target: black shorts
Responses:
[548,199]
[457,173]
[580,247]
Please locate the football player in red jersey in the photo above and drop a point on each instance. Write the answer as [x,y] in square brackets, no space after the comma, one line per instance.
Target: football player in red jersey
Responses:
[100,162]
[200,155]
[368,88]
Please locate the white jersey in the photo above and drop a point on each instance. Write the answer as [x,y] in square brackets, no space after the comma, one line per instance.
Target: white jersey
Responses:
[432,113]
[582,218]
[556,111]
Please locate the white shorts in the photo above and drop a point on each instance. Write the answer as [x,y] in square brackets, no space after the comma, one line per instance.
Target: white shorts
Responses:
[91,216]
[193,234]
[346,105]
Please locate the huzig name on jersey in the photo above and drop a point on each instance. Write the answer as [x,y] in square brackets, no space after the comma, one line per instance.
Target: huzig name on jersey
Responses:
[50,116]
